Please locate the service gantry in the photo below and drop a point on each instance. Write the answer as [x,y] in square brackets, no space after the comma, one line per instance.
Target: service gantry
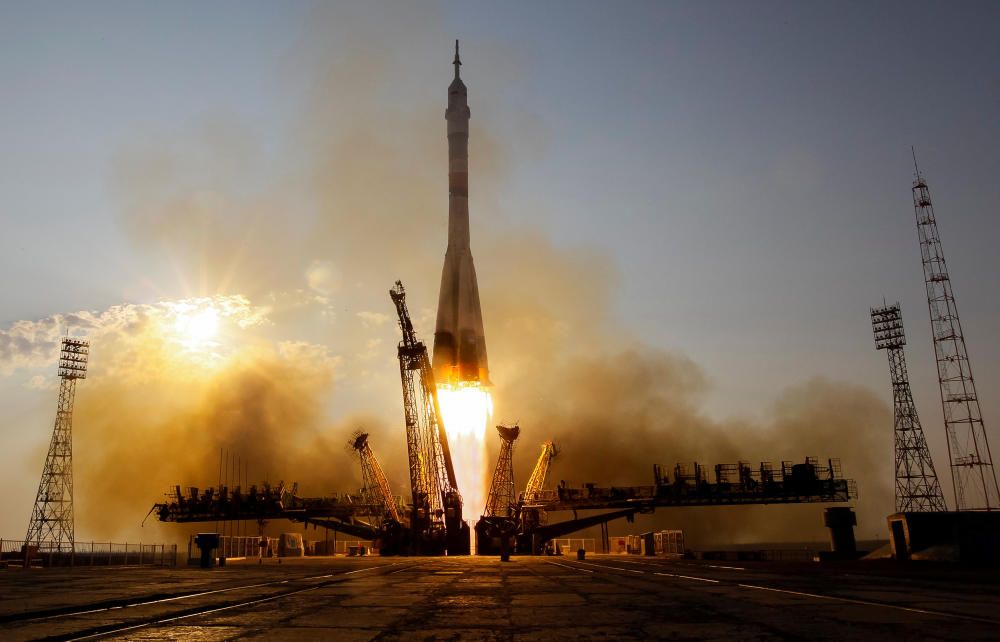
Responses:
[436,518]
[344,513]
[497,527]
[375,487]
[540,473]
[530,519]
[501,498]
[917,485]
[51,525]
[972,471]
[808,481]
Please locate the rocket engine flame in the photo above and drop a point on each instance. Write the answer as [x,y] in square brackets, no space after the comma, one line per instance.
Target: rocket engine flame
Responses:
[466,409]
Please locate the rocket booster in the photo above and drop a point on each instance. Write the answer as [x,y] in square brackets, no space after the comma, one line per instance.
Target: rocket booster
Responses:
[459,341]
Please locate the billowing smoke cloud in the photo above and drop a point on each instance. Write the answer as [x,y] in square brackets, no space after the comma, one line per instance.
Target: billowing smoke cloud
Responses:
[360,202]
[568,370]
[161,398]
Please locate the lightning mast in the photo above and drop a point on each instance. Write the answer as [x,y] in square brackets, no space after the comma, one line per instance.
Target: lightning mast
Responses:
[917,486]
[972,469]
[51,525]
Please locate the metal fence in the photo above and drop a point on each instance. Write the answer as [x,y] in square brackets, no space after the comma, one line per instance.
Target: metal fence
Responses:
[13,552]
[571,545]
[235,547]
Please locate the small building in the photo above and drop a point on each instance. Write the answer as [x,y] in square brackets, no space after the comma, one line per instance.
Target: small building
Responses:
[968,536]
[665,542]
[290,545]
[669,542]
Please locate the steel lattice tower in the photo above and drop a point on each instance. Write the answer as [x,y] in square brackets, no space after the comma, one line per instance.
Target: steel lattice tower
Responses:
[917,485]
[51,525]
[437,501]
[501,499]
[972,470]
[541,472]
[375,487]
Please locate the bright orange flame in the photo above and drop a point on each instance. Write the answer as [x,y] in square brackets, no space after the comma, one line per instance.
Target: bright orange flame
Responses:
[466,409]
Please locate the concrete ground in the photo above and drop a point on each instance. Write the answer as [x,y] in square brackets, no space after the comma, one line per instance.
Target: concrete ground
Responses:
[540,598]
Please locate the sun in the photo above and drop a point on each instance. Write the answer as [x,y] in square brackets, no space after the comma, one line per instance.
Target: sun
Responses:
[197,329]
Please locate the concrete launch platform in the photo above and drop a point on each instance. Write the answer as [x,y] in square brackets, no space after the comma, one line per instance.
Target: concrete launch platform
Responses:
[538,598]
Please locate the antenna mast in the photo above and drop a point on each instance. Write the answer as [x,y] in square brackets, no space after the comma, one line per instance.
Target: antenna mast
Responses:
[972,470]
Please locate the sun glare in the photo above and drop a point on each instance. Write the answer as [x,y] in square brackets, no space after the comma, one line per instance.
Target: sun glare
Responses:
[197,329]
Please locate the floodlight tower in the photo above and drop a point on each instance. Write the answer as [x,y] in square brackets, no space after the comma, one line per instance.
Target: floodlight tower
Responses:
[917,485]
[51,525]
[972,470]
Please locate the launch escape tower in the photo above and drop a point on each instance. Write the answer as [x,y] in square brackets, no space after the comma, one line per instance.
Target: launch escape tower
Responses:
[436,520]
[51,525]
[501,498]
[917,485]
[972,469]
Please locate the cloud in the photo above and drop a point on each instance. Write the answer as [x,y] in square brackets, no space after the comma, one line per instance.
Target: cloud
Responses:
[36,343]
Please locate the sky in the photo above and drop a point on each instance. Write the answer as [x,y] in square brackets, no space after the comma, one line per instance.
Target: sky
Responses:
[723,184]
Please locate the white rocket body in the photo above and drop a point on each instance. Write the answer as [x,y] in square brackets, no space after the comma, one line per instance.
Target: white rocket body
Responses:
[459,340]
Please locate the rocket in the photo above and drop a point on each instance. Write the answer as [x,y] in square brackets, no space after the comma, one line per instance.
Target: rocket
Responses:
[459,341]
